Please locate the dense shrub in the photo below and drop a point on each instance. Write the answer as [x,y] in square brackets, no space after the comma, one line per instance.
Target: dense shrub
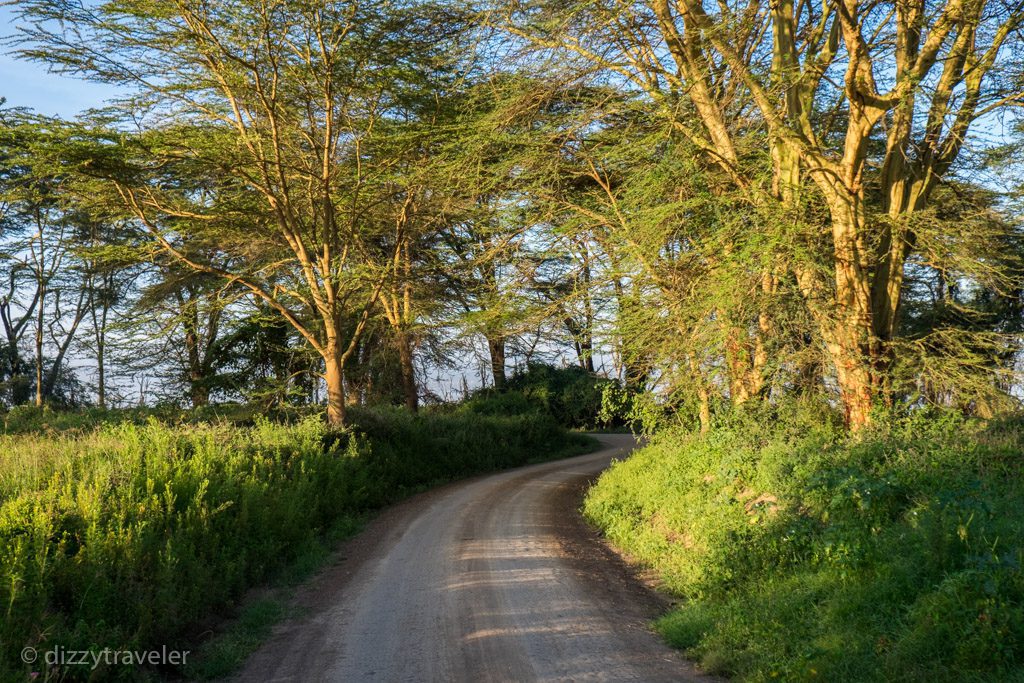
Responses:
[571,395]
[806,554]
[129,536]
[28,419]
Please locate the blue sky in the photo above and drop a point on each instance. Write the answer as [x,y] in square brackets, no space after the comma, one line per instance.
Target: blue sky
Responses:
[26,84]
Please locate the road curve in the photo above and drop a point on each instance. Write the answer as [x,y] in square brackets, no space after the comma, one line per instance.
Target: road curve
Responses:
[492,579]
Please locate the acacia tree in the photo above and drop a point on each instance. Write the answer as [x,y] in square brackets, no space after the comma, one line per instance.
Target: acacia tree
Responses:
[821,83]
[41,225]
[421,203]
[473,270]
[670,232]
[605,178]
[480,241]
[113,264]
[190,311]
[258,161]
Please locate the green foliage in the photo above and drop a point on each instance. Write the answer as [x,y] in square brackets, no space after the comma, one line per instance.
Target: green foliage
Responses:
[127,536]
[807,554]
[224,654]
[572,396]
[28,419]
[641,411]
[411,450]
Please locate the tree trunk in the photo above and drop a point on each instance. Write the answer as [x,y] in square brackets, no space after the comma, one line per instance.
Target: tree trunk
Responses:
[405,357]
[587,351]
[705,410]
[496,347]
[853,374]
[199,394]
[746,357]
[703,396]
[334,377]
[62,350]
[101,371]
[737,362]
[851,342]
[39,347]
[587,337]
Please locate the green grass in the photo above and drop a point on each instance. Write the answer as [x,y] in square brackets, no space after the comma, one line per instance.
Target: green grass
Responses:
[803,554]
[47,420]
[134,536]
[237,636]
[225,653]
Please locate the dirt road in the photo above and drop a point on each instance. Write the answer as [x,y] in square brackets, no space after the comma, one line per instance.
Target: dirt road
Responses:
[494,579]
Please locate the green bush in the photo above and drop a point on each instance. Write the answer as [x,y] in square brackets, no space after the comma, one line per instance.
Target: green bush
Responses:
[29,419]
[572,396]
[131,536]
[805,554]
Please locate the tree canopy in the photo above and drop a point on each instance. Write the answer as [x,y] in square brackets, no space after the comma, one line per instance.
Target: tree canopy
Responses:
[716,203]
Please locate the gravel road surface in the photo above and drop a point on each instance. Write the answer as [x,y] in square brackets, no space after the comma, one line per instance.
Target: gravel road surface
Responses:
[492,579]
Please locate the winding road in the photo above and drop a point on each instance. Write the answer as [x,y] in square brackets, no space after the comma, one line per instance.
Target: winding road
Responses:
[492,579]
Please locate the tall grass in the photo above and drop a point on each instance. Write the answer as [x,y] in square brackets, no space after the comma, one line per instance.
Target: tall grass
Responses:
[132,536]
[803,554]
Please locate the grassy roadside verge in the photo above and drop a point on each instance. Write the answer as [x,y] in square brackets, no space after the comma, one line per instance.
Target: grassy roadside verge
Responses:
[128,536]
[221,648]
[803,554]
